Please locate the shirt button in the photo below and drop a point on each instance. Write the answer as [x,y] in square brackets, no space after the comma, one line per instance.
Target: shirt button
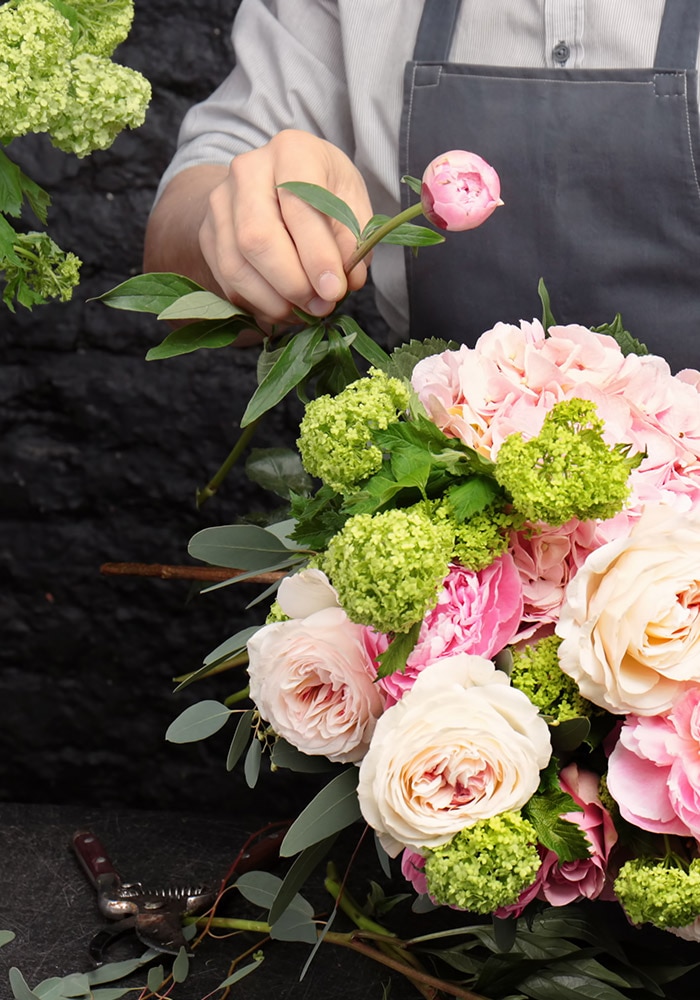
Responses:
[561,53]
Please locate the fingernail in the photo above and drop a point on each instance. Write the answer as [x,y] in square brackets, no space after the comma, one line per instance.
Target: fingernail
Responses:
[319,306]
[329,286]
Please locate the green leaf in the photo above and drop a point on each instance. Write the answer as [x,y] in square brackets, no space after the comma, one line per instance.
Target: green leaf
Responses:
[318,518]
[414,183]
[149,293]
[181,966]
[238,546]
[547,317]
[290,369]
[251,767]
[6,937]
[278,470]
[241,738]
[325,201]
[337,369]
[335,807]
[156,976]
[241,973]
[112,971]
[404,359]
[15,186]
[18,985]
[110,993]
[569,735]
[398,651]
[286,756]
[304,864]
[230,647]
[408,234]
[561,986]
[198,722]
[295,925]
[566,839]
[203,305]
[262,888]
[504,932]
[363,344]
[472,496]
[203,335]
[627,343]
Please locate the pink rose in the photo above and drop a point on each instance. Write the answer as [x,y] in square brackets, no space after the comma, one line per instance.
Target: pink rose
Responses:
[563,883]
[476,613]
[459,190]
[413,870]
[654,769]
[312,679]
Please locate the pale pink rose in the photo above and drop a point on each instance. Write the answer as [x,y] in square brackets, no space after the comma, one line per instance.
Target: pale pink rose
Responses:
[654,769]
[305,592]
[459,190]
[562,883]
[313,681]
[631,617]
[460,746]
[477,613]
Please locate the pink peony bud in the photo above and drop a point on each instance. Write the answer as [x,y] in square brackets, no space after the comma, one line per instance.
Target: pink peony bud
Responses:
[459,190]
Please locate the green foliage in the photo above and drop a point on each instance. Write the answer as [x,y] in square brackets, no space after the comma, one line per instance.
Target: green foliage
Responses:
[198,722]
[333,808]
[36,269]
[398,651]
[544,810]
[628,343]
[404,359]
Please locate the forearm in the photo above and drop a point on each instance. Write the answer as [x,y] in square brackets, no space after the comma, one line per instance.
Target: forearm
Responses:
[172,235]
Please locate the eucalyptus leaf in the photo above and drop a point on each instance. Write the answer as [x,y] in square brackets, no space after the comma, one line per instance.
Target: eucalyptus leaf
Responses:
[156,975]
[149,293]
[251,766]
[241,738]
[566,736]
[294,925]
[262,888]
[289,371]
[203,305]
[286,756]
[304,864]
[6,937]
[111,993]
[335,807]
[278,470]
[19,987]
[112,971]
[238,546]
[382,857]
[202,335]
[241,973]
[75,985]
[229,647]
[268,592]
[287,563]
[198,722]
[325,201]
[181,966]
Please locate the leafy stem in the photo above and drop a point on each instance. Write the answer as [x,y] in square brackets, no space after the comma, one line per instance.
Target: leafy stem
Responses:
[364,246]
[217,479]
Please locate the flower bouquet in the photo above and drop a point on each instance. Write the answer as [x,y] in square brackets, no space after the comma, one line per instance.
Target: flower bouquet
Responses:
[485,623]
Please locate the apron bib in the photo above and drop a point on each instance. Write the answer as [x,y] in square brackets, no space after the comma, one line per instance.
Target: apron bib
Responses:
[599,172]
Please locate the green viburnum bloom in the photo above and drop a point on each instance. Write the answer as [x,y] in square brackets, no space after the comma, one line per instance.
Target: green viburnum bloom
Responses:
[387,568]
[335,439]
[276,614]
[536,672]
[659,893]
[485,866]
[483,538]
[43,271]
[567,470]
[35,51]
[100,25]
[103,99]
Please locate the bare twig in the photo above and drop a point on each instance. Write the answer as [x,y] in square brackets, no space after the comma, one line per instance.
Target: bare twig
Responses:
[207,574]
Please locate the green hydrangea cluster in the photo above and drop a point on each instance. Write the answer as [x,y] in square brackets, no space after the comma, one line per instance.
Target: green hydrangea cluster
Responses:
[100,25]
[659,893]
[276,614]
[57,76]
[35,52]
[103,99]
[483,538]
[40,270]
[335,440]
[485,866]
[536,672]
[567,470]
[387,568]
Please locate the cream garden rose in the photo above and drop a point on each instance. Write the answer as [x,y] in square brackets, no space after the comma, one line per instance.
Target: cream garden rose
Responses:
[312,679]
[631,617]
[460,746]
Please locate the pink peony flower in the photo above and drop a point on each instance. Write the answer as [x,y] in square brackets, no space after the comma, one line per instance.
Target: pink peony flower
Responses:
[476,613]
[654,769]
[413,870]
[563,883]
[459,190]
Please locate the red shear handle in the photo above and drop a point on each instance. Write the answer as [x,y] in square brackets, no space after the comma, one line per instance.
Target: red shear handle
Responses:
[92,855]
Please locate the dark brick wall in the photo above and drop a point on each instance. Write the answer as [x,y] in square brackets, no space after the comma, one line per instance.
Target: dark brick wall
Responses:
[100,456]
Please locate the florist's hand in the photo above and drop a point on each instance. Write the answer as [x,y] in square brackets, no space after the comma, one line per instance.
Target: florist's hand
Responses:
[267,249]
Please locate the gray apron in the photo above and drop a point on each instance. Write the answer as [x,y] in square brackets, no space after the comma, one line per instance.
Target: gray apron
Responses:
[599,171]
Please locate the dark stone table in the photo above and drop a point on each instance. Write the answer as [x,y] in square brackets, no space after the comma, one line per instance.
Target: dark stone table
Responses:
[48,902]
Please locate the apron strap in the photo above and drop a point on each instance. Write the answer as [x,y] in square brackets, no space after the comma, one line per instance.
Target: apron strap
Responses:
[678,38]
[435,32]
